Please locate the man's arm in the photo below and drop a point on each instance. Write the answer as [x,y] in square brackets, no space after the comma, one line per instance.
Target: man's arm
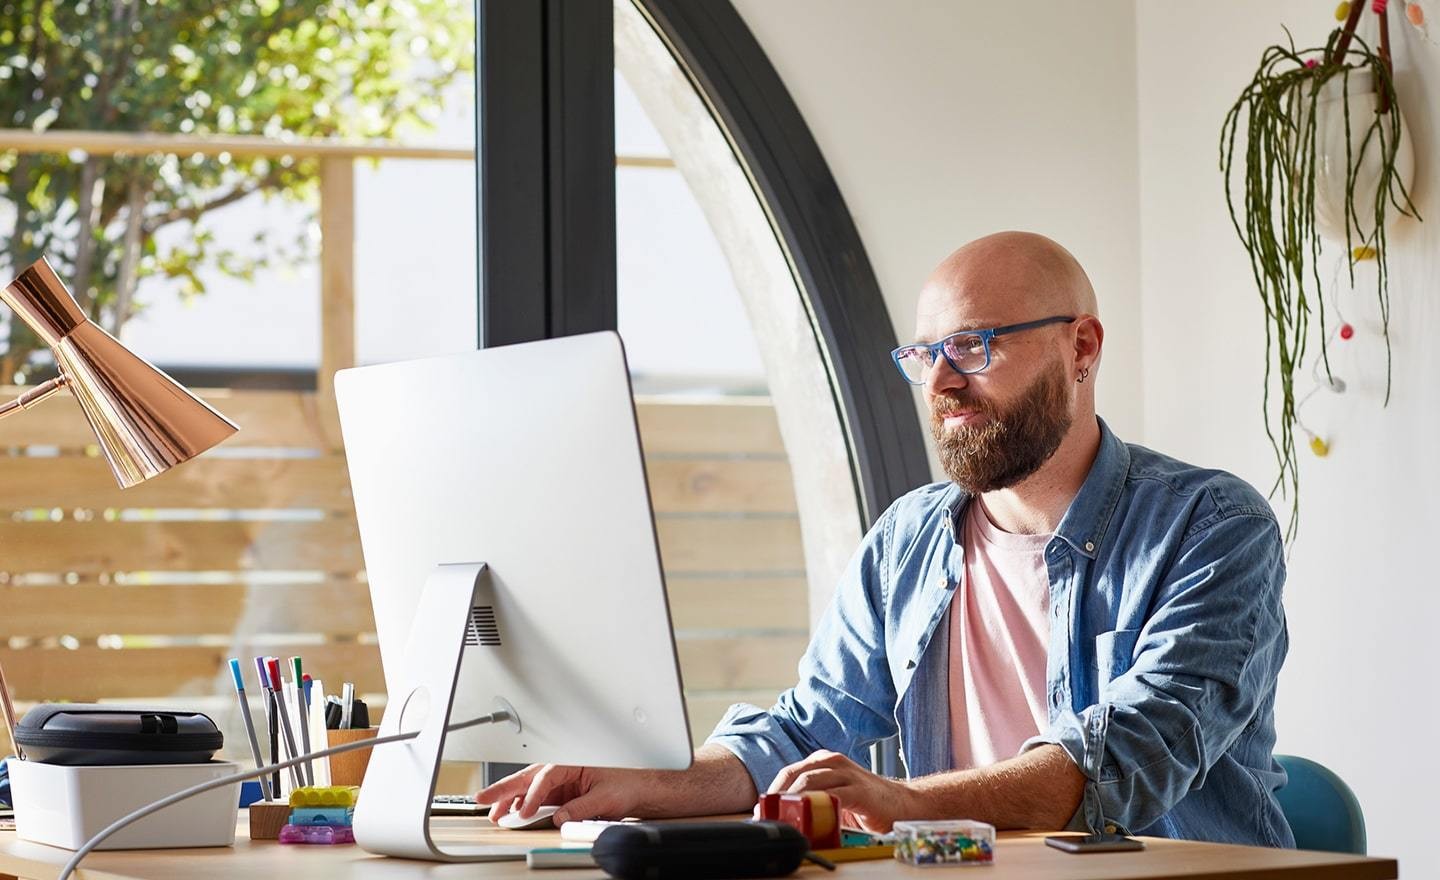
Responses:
[717,782]
[1206,657]
[1040,789]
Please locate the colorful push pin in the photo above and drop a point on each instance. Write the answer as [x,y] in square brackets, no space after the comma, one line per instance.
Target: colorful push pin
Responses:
[1319,447]
[1379,6]
[1342,11]
[1346,331]
[1364,252]
[1415,13]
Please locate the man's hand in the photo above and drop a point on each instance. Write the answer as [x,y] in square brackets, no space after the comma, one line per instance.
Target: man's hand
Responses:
[867,801]
[586,792]
[717,782]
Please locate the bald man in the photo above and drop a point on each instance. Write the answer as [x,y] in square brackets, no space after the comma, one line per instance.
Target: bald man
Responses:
[1069,632]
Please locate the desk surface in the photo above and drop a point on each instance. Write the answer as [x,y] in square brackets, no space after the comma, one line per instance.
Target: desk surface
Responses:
[1017,855]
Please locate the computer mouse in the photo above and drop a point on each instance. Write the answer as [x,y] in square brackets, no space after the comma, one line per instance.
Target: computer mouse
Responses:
[540,821]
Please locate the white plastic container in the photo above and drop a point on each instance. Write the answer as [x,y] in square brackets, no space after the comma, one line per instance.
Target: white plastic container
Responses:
[65,806]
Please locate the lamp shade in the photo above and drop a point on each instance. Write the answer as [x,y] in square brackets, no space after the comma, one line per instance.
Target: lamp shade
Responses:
[145,421]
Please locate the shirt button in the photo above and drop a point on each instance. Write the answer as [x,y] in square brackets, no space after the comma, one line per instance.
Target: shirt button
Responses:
[1109,829]
[942,583]
[1090,546]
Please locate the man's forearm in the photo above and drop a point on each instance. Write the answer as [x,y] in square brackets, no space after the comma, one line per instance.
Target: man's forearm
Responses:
[1040,789]
[716,783]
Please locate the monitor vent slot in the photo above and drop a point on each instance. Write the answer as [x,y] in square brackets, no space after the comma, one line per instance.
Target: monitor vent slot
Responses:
[482,630]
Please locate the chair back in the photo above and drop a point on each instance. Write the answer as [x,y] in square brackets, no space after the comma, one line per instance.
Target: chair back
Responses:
[1322,810]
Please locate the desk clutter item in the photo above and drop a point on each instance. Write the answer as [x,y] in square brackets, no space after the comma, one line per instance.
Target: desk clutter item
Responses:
[348,768]
[815,814]
[321,815]
[699,850]
[85,734]
[951,842]
[89,765]
[66,805]
[267,818]
[328,796]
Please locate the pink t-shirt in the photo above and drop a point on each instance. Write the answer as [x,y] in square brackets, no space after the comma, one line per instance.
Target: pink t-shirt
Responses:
[998,631]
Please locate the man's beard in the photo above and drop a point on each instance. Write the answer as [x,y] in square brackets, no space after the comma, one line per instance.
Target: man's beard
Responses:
[1009,445]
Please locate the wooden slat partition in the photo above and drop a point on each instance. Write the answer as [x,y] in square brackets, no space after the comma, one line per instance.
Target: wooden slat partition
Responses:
[74,482]
[88,674]
[87,611]
[720,485]
[291,419]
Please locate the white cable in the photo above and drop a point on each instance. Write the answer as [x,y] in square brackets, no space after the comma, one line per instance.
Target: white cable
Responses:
[99,838]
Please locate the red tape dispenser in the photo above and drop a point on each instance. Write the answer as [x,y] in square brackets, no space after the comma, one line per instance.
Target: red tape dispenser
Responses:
[815,814]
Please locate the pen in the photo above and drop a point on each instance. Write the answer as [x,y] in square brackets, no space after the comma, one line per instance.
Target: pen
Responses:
[304,703]
[277,686]
[347,704]
[272,723]
[249,723]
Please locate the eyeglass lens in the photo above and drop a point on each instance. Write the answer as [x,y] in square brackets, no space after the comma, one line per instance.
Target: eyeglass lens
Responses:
[966,351]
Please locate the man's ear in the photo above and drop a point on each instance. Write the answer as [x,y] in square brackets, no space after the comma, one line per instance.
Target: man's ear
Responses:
[1089,339]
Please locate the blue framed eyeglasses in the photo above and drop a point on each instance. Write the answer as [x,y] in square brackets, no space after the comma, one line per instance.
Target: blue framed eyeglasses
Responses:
[966,352]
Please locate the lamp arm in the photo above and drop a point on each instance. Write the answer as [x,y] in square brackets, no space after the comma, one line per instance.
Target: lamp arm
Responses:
[34,395]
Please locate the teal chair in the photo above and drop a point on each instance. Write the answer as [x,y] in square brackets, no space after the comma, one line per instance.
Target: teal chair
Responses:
[1320,807]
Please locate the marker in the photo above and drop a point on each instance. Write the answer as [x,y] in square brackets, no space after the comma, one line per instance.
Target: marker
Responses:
[249,723]
[347,704]
[303,698]
[272,723]
[272,669]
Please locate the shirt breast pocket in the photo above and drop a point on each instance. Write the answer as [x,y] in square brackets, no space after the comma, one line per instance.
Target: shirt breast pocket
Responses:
[1115,653]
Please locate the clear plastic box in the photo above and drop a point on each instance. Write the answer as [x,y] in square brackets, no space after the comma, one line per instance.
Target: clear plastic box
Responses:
[945,843]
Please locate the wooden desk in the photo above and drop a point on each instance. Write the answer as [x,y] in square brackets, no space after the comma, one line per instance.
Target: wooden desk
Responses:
[1018,855]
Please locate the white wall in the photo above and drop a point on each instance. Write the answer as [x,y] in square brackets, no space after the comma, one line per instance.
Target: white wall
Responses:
[1098,124]
[943,122]
[1361,596]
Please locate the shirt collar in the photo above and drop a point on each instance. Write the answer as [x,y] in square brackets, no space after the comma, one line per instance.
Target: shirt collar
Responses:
[1087,520]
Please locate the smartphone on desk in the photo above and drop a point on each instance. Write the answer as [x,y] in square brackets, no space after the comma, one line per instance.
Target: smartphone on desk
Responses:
[1088,843]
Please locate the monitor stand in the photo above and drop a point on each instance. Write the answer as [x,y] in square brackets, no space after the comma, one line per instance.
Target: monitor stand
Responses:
[392,816]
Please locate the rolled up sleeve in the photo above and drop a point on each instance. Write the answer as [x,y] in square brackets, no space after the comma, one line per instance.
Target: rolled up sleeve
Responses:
[1207,656]
[845,698]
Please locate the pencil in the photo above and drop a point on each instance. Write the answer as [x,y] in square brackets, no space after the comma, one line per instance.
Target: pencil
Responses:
[249,724]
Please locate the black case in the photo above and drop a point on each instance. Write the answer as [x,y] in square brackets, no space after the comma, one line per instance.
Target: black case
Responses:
[699,850]
[81,733]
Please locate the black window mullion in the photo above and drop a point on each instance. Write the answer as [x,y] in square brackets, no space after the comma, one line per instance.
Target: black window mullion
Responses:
[546,142]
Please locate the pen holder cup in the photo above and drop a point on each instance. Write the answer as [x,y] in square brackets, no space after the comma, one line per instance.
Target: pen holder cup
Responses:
[348,768]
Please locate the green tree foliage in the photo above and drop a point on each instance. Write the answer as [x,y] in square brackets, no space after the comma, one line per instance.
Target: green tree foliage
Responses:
[276,68]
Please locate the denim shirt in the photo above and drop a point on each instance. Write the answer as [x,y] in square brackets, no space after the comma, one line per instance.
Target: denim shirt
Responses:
[1166,637]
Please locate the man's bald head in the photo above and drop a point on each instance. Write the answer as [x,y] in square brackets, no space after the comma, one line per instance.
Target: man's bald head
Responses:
[1005,278]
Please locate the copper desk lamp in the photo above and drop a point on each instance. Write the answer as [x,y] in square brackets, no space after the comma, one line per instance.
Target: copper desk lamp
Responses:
[145,421]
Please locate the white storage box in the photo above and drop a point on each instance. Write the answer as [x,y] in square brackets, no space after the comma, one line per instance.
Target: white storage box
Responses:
[65,806]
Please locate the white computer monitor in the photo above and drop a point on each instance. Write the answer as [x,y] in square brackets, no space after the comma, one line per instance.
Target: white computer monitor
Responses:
[526,458]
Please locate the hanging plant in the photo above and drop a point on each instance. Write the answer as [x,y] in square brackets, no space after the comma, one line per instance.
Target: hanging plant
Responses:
[1323,153]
